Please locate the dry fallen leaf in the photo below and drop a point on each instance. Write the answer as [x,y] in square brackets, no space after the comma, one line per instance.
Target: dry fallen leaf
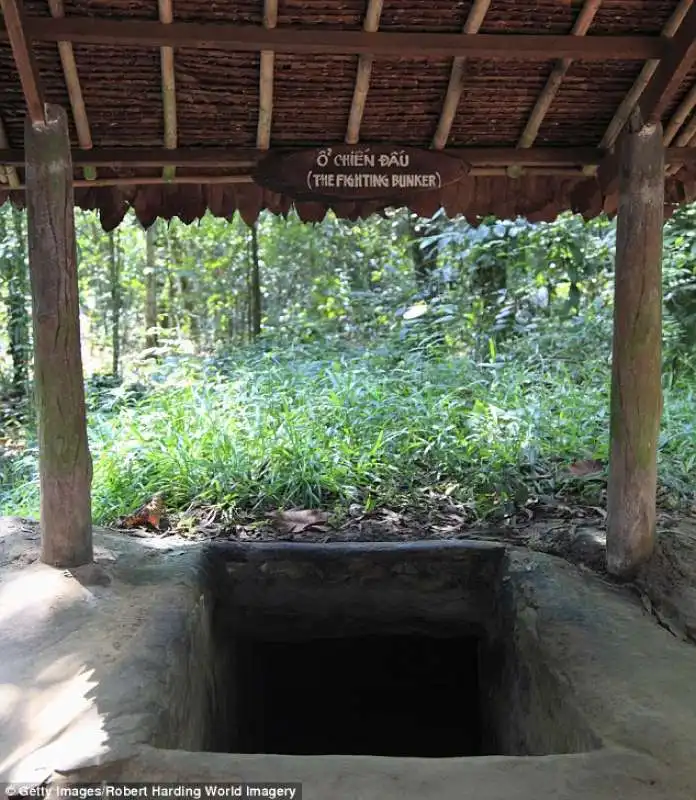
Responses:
[298,520]
[150,514]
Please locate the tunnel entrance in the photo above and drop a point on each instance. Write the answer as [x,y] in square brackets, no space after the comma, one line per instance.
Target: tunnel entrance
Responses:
[369,695]
[375,649]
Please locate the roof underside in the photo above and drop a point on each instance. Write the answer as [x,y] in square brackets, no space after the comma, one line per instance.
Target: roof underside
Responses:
[218,97]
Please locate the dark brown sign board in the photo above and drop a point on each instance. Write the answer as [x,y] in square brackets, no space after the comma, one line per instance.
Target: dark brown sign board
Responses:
[357,172]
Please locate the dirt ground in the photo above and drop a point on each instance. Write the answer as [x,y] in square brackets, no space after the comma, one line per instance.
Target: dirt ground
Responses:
[81,646]
[575,533]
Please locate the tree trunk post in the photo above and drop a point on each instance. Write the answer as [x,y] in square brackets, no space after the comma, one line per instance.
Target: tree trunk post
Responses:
[115,280]
[255,283]
[151,339]
[65,466]
[636,391]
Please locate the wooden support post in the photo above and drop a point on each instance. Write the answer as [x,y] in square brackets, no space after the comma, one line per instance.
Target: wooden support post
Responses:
[65,467]
[636,393]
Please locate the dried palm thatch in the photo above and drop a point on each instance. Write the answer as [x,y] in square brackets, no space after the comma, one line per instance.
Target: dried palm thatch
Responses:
[168,108]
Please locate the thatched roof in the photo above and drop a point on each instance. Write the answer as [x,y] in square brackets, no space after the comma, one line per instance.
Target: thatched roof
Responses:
[199,99]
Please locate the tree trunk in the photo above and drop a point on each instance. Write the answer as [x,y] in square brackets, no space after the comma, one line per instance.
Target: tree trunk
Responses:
[164,290]
[17,316]
[65,466]
[187,289]
[115,280]
[255,296]
[424,253]
[248,308]
[150,288]
[636,394]
[171,297]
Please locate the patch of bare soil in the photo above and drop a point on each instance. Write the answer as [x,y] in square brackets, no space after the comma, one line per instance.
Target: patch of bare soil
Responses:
[576,533]
[666,586]
[20,541]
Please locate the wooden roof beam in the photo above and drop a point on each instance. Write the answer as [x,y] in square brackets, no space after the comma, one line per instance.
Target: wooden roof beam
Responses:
[456,81]
[251,38]
[553,84]
[243,158]
[671,71]
[227,159]
[205,180]
[267,65]
[166,16]
[362,79]
[629,102]
[660,89]
[72,83]
[15,31]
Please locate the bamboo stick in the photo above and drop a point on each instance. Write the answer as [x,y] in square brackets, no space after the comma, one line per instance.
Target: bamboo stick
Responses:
[679,117]
[166,16]
[72,83]
[362,79]
[553,84]
[456,82]
[267,65]
[629,102]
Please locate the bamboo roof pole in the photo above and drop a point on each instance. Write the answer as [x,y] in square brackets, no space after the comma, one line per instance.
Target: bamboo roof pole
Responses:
[13,13]
[555,79]
[362,79]
[630,100]
[659,91]
[684,138]
[72,83]
[680,116]
[687,138]
[166,16]
[675,124]
[198,180]
[267,66]
[456,82]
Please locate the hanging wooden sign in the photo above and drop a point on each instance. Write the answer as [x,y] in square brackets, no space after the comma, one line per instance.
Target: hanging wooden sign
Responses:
[357,172]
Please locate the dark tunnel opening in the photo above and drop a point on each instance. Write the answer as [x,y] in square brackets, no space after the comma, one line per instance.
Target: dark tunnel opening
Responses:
[371,695]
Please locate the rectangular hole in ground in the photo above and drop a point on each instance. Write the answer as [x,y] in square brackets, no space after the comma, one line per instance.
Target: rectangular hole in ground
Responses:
[370,695]
[379,653]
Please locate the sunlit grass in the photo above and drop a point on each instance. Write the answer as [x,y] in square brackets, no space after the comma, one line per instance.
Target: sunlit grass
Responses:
[309,428]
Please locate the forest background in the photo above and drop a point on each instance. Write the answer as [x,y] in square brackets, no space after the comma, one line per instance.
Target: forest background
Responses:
[392,362]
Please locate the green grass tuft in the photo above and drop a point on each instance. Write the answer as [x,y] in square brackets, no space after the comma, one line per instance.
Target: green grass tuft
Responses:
[308,428]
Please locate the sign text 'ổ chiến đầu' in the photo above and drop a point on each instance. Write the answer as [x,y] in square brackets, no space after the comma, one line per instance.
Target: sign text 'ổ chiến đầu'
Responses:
[357,172]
